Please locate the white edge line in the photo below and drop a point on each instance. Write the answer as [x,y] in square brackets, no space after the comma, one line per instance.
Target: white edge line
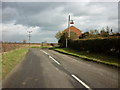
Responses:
[85,85]
[54,60]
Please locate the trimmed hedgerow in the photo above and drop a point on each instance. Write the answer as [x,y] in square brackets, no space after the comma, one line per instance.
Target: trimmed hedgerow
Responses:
[108,45]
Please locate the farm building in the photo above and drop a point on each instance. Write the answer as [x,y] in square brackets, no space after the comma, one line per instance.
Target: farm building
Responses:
[74,29]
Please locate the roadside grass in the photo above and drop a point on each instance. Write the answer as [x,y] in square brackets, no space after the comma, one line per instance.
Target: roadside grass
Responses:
[35,47]
[10,59]
[40,47]
[100,58]
[45,46]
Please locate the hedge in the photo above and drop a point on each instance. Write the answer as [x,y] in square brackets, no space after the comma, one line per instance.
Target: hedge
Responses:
[108,45]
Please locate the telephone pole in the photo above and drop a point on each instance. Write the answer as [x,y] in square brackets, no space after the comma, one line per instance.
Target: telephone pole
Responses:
[68,31]
[29,32]
[69,26]
[68,37]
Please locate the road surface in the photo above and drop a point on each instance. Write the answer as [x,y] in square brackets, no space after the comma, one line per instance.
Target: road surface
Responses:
[44,68]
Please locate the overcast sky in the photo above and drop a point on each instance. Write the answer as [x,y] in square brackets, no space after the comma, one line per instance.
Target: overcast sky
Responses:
[45,19]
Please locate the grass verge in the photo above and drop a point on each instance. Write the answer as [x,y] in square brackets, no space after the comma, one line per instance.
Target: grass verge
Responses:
[35,47]
[40,47]
[10,59]
[100,58]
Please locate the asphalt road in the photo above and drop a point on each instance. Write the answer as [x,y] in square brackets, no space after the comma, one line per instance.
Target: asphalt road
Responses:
[44,68]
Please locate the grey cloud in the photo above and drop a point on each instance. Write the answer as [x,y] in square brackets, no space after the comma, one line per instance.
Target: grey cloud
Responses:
[53,16]
[40,14]
[46,14]
[9,14]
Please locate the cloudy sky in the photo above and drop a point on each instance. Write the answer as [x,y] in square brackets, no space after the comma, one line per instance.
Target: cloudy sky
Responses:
[45,19]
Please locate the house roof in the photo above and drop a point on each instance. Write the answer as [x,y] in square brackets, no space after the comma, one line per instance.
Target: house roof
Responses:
[73,29]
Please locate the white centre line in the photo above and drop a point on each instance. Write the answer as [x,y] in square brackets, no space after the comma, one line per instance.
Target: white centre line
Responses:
[50,57]
[81,82]
[44,52]
[54,60]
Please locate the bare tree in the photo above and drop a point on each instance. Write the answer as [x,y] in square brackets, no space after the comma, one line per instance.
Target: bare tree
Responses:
[58,35]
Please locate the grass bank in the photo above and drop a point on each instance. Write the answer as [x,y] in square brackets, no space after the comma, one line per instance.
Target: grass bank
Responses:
[100,58]
[10,59]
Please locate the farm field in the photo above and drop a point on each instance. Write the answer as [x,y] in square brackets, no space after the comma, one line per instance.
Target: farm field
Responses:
[4,47]
[12,46]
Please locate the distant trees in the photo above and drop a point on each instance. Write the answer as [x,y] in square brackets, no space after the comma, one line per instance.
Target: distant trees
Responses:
[84,35]
[104,32]
[91,34]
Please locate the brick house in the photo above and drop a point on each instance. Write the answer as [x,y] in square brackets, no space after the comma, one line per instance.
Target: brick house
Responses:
[75,30]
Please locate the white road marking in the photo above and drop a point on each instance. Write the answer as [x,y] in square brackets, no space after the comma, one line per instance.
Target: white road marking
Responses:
[54,60]
[81,82]
[50,57]
[44,52]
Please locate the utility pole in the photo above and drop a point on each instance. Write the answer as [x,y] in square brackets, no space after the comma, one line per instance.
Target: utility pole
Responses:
[29,32]
[69,26]
[69,22]
[68,32]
